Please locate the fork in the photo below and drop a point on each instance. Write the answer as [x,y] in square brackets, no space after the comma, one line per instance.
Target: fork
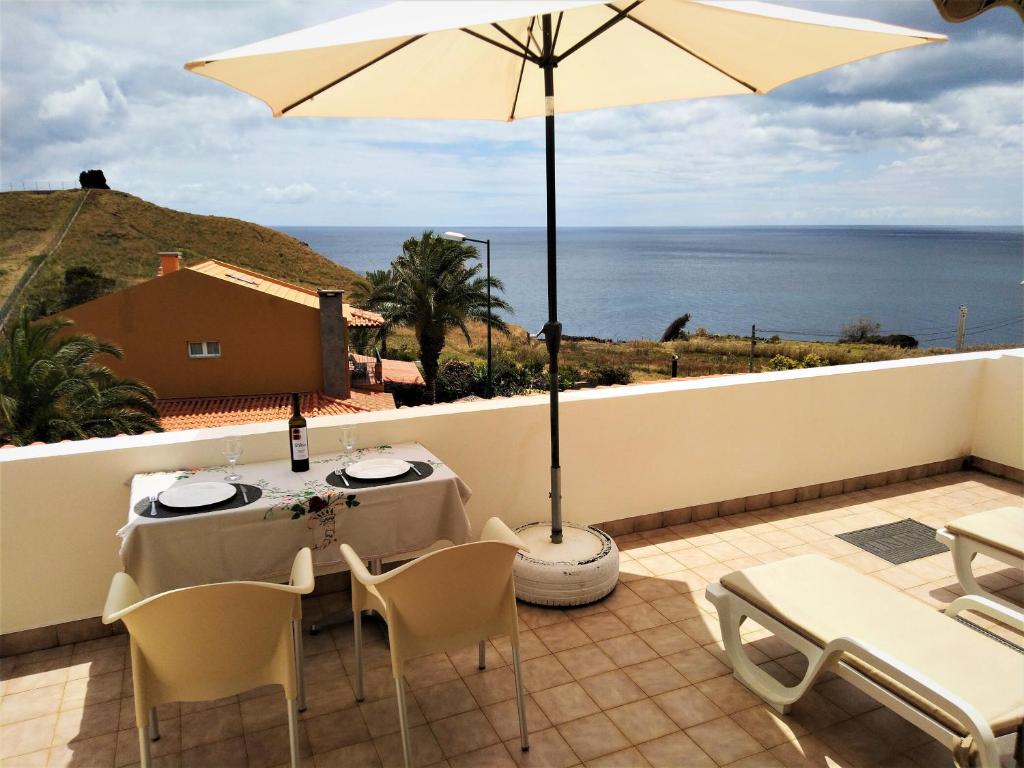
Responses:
[152,504]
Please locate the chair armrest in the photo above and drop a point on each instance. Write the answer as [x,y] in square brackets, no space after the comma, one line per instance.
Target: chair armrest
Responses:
[358,568]
[986,607]
[496,530]
[123,595]
[302,580]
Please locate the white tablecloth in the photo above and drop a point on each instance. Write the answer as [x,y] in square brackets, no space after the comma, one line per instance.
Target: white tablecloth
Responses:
[258,542]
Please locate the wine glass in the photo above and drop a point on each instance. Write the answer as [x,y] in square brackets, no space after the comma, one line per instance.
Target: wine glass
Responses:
[348,442]
[232,451]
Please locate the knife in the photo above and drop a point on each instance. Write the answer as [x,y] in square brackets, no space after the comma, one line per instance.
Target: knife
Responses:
[245,496]
[415,469]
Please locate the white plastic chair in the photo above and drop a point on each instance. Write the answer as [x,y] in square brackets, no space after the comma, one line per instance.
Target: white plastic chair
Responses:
[442,601]
[207,642]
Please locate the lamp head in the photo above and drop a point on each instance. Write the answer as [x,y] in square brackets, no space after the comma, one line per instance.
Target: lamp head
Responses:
[457,236]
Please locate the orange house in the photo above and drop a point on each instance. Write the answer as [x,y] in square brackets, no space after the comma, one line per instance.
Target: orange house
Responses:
[215,330]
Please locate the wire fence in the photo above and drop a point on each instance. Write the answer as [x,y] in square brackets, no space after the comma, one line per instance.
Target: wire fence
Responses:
[927,335]
[39,186]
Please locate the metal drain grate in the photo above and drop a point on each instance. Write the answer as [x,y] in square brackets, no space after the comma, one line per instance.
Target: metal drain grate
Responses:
[898,542]
[992,635]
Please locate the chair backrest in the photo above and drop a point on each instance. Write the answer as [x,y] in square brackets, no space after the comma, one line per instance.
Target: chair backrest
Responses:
[450,599]
[208,642]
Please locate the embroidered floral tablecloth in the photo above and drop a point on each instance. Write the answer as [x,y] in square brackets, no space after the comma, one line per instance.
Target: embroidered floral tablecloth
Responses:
[258,542]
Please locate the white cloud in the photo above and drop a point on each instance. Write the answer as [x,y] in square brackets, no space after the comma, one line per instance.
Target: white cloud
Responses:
[290,194]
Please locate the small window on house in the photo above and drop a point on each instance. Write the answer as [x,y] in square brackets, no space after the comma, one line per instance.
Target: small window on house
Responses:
[204,349]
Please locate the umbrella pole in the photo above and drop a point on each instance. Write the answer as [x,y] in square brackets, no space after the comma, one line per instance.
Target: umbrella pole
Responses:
[552,328]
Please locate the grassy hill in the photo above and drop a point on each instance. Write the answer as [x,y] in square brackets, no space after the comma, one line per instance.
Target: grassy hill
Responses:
[119,235]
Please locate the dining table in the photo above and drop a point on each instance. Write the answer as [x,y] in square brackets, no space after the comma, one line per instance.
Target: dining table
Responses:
[274,512]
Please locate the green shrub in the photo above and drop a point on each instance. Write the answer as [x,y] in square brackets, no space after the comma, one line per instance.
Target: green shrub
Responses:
[606,373]
[783,363]
[455,379]
[812,360]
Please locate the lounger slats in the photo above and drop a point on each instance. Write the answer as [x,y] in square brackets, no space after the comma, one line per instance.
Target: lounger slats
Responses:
[822,601]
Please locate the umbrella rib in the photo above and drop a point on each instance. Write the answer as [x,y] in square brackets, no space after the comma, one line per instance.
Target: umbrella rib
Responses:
[683,48]
[496,44]
[510,36]
[347,75]
[619,16]
[522,69]
[558,27]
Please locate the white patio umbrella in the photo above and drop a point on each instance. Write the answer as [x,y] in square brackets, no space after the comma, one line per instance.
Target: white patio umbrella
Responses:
[502,60]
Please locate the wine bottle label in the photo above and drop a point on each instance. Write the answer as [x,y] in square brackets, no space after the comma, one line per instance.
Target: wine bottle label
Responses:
[300,445]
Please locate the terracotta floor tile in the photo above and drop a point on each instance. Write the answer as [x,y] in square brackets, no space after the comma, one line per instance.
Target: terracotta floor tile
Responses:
[425,748]
[728,693]
[363,755]
[504,718]
[809,752]
[667,639]
[492,685]
[675,751]
[539,616]
[210,726]
[544,672]
[264,712]
[445,699]
[723,740]
[655,676]
[26,736]
[651,589]
[530,647]
[565,702]
[660,563]
[620,597]
[641,616]
[381,717]
[612,689]
[463,733]
[562,636]
[697,665]
[229,753]
[768,726]
[626,650]
[601,626]
[341,728]
[547,750]
[30,704]
[494,756]
[759,760]
[95,752]
[88,722]
[427,671]
[593,736]
[677,607]
[688,706]
[626,758]
[466,660]
[641,721]
[585,661]
[128,743]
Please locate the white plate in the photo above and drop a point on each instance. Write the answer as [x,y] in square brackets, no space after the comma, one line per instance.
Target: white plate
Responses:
[197,494]
[377,469]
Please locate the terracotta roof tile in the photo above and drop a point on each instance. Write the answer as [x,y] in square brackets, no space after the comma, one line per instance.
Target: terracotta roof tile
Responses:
[357,318]
[198,412]
[393,371]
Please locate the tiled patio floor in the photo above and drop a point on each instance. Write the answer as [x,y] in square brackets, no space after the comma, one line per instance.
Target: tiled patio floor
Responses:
[636,680]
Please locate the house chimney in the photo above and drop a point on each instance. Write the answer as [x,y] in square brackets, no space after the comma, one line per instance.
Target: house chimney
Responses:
[333,344]
[170,261]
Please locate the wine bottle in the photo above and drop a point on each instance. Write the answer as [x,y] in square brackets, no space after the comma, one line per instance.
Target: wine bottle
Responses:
[298,441]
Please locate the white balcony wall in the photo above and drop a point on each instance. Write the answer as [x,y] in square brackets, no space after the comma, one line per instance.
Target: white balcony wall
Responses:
[625,451]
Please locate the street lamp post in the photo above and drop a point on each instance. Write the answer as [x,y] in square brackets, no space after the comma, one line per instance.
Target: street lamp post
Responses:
[461,238]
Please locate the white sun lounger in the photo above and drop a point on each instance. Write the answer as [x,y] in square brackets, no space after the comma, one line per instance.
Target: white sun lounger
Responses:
[998,533]
[962,688]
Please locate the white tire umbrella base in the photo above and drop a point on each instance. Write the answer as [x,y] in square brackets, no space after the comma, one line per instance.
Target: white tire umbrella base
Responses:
[499,60]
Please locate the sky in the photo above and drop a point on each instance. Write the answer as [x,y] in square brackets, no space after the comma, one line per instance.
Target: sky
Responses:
[933,135]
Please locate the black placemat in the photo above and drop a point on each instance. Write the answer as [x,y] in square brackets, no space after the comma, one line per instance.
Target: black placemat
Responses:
[409,477]
[236,501]
[898,542]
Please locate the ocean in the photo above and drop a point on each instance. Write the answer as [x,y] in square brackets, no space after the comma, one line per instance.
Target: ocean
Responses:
[797,282]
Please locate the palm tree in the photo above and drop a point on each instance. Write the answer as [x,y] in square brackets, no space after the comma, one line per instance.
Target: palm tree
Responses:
[51,389]
[376,291]
[675,328]
[437,289]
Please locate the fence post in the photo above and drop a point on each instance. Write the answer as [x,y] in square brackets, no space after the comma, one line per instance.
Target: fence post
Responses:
[961,328]
[753,340]
[675,366]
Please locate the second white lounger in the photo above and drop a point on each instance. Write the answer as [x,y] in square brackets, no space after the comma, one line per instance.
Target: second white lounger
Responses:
[959,686]
[998,533]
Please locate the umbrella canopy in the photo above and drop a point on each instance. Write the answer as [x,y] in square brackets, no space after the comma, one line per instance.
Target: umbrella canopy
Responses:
[500,60]
[479,60]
